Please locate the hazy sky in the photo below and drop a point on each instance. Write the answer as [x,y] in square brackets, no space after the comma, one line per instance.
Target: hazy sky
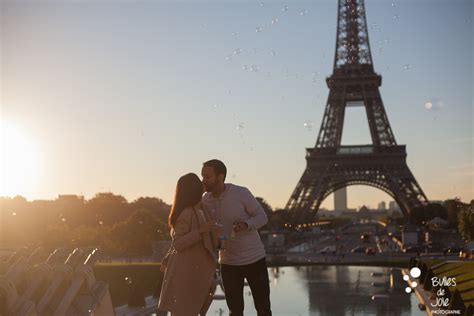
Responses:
[126,96]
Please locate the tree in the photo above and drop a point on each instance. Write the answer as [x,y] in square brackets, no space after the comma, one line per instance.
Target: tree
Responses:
[160,208]
[453,207]
[433,210]
[108,208]
[466,223]
[279,218]
[135,235]
[417,215]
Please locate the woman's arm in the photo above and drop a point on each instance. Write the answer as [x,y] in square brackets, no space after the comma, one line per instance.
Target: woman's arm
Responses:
[184,236]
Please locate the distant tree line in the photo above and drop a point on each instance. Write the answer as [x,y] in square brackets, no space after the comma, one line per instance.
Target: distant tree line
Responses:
[459,215]
[127,228]
[106,220]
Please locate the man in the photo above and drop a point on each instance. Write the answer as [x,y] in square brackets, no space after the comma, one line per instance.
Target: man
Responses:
[242,255]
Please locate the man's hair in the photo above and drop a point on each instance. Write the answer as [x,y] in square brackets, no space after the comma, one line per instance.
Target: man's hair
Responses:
[217,165]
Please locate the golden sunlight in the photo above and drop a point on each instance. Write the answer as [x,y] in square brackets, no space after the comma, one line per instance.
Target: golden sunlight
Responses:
[19,160]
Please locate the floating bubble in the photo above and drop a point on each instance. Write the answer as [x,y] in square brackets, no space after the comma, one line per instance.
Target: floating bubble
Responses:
[14,213]
[258,29]
[237,51]
[254,68]
[240,126]
[274,20]
[406,277]
[396,17]
[408,289]
[415,272]
[228,57]
[262,4]
[63,219]
[308,125]
[394,4]
[407,67]
[245,67]
[303,12]
[273,53]
[128,280]
[284,8]
[434,104]
[234,34]
[101,222]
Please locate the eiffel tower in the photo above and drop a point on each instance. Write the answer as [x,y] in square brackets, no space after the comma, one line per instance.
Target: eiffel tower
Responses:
[331,166]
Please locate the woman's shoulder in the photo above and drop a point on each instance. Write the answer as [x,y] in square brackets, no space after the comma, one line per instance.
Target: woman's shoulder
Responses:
[185,218]
[187,212]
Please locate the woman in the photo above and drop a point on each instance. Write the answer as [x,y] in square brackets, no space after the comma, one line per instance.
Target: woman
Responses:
[186,289]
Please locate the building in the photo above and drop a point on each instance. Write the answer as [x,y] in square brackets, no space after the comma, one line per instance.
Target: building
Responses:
[410,235]
[340,199]
[393,206]
[382,206]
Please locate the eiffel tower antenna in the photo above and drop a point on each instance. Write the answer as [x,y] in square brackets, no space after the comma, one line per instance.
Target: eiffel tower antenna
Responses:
[331,166]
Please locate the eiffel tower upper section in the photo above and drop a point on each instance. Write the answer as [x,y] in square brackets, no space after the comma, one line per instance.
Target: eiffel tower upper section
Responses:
[353,79]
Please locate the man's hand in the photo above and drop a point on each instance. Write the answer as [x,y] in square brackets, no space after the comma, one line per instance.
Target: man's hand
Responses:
[240,226]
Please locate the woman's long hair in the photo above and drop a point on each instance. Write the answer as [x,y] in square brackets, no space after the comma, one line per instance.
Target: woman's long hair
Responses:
[189,190]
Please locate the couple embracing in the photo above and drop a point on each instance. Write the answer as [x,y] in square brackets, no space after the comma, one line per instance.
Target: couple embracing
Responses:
[219,226]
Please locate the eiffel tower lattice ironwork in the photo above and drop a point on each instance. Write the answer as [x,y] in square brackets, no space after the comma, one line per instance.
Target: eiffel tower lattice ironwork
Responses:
[331,166]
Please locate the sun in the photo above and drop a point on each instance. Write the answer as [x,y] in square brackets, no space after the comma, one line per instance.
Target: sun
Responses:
[19,161]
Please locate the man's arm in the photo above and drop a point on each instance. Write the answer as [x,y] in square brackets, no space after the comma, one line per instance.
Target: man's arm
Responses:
[258,218]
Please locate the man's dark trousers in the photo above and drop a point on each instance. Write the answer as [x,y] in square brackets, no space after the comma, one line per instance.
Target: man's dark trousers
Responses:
[257,276]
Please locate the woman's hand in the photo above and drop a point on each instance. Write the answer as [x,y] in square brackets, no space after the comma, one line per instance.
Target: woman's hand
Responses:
[208,226]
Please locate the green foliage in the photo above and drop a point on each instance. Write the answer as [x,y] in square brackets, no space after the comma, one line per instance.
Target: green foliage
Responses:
[454,206]
[134,235]
[106,220]
[466,223]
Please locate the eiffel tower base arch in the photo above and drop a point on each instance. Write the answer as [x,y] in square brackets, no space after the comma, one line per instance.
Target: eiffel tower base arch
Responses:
[329,169]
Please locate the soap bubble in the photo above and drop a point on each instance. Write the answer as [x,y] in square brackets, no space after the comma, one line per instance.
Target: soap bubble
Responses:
[415,272]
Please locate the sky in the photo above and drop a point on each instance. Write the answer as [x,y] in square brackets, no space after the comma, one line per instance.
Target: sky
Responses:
[127,96]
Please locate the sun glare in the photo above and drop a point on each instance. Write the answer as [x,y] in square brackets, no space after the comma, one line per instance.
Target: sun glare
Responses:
[19,160]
